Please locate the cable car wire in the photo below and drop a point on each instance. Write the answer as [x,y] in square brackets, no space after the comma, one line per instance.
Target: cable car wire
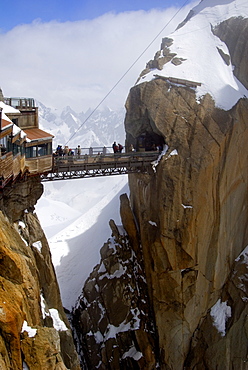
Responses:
[121,78]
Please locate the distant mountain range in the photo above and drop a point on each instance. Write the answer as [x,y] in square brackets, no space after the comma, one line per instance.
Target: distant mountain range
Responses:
[88,129]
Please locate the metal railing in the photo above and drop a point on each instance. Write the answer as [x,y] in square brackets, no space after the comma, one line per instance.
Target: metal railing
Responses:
[90,151]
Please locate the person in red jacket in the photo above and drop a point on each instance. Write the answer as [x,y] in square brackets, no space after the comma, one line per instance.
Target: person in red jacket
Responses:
[120,147]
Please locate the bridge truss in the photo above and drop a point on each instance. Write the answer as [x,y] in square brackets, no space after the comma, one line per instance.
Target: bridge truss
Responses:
[65,168]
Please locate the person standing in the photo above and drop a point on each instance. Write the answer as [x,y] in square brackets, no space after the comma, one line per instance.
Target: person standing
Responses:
[66,150]
[115,147]
[120,147]
[78,151]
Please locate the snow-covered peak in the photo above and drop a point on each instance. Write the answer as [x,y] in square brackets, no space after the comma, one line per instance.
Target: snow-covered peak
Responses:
[218,11]
[67,110]
[91,129]
[201,53]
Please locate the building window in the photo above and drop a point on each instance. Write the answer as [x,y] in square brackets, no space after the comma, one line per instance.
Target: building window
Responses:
[31,152]
[16,149]
[39,150]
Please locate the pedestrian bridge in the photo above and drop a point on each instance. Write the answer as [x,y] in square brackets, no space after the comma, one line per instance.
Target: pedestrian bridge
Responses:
[95,165]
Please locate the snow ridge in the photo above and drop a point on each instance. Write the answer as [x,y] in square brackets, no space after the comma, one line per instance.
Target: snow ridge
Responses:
[195,42]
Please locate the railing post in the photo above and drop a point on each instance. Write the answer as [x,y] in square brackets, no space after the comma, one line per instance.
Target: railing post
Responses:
[1,119]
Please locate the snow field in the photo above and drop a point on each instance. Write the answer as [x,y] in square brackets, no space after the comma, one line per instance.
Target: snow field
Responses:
[75,215]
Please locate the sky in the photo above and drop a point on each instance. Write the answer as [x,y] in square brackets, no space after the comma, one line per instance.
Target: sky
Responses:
[74,52]
[26,11]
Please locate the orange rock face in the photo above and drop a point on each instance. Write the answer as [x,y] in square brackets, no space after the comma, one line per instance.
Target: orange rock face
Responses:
[29,290]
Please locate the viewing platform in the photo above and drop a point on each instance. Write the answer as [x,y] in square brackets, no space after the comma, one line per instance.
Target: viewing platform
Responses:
[25,149]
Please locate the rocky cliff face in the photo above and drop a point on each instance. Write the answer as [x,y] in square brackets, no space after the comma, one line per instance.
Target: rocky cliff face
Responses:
[190,233]
[113,317]
[197,201]
[192,226]
[234,33]
[35,333]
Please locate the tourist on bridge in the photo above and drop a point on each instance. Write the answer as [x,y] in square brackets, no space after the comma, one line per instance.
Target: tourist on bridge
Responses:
[115,147]
[120,147]
[59,150]
[66,150]
[78,151]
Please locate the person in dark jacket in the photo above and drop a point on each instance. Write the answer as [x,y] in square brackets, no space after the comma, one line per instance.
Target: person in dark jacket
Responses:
[115,147]
[120,147]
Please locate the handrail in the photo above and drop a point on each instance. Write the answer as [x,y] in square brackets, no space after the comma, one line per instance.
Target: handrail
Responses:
[94,149]
[100,157]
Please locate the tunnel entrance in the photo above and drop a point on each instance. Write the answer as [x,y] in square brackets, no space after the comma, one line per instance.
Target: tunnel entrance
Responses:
[149,142]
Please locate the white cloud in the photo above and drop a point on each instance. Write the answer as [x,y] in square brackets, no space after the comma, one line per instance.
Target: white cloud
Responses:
[77,63]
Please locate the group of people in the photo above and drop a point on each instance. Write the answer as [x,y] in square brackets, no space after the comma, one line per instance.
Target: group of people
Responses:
[63,151]
[117,148]
[156,148]
[67,151]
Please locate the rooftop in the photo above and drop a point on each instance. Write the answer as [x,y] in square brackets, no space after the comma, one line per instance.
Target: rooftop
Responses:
[37,134]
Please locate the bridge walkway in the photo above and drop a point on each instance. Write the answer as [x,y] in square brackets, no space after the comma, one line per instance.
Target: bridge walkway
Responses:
[82,166]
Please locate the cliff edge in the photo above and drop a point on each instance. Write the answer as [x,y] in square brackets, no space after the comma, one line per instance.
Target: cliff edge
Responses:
[35,332]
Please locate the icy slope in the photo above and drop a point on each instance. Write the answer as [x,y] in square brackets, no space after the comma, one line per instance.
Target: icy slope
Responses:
[87,205]
[200,52]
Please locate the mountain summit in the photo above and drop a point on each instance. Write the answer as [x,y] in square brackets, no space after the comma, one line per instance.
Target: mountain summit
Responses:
[199,50]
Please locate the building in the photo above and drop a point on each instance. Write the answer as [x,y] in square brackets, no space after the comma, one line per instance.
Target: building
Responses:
[24,147]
